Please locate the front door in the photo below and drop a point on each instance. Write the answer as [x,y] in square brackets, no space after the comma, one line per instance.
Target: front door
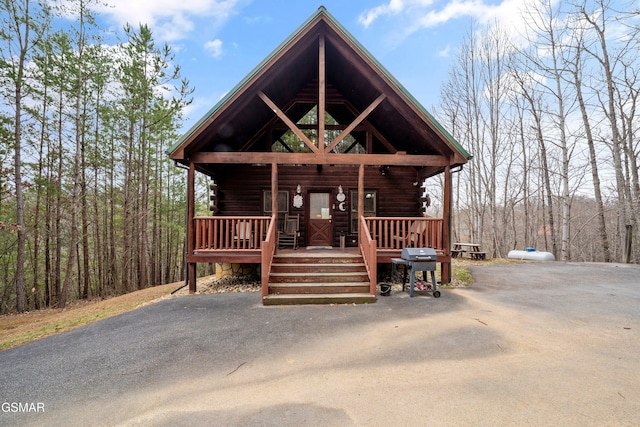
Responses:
[319,228]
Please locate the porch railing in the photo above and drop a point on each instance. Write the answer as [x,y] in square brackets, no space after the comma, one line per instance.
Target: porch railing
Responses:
[369,254]
[397,233]
[236,233]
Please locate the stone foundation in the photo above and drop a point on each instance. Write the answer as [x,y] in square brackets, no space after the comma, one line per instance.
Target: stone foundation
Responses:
[227,269]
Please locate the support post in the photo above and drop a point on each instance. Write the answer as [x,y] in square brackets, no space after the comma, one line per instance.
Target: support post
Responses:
[445,275]
[628,239]
[274,189]
[191,235]
[192,276]
[361,190]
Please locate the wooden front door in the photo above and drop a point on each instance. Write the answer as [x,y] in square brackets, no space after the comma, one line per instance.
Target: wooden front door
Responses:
[319,225]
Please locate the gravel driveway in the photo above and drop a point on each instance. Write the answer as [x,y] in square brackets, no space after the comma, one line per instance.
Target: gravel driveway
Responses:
[527,344]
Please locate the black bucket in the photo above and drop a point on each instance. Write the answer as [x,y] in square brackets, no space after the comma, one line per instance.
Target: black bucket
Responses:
[385,289]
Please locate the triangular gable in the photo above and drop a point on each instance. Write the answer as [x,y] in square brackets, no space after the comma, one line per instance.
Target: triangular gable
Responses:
[243,116]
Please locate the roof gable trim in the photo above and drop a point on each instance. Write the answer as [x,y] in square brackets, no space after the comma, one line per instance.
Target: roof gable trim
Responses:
[322,14]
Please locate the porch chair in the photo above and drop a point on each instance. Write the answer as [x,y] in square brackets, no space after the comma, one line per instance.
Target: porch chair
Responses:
[289,236]
[414,234]
[243,235]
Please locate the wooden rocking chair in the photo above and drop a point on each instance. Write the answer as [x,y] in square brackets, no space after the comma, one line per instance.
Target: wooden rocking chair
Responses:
[289,236]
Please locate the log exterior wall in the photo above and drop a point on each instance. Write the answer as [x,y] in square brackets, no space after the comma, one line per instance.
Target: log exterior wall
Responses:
[241,187]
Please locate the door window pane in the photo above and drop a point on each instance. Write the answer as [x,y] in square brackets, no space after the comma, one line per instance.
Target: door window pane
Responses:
[319,206]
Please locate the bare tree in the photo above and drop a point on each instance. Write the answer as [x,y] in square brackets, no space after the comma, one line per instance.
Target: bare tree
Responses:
[598,16]
[547,33]
[593,159]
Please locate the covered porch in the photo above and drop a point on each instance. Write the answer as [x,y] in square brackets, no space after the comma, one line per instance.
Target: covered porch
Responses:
[254,240]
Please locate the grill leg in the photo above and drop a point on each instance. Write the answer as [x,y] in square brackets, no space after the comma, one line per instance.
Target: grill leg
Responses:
[434,286]
[412,283]
[404,276]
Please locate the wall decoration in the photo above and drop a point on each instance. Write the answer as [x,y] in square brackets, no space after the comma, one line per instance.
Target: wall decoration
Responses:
[213,196]
[426,199]
[341,197]
[297,199]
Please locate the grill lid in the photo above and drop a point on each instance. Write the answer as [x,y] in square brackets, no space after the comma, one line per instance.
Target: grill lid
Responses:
[419,254]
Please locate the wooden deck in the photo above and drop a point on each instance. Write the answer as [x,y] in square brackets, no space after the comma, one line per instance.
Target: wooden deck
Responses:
[314,275]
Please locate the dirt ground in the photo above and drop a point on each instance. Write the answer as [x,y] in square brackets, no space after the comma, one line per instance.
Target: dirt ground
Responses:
[18,329]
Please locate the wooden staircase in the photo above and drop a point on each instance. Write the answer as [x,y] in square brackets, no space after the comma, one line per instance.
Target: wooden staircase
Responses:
[305,277]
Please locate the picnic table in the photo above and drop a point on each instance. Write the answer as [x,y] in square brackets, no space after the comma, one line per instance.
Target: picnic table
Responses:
[473,249]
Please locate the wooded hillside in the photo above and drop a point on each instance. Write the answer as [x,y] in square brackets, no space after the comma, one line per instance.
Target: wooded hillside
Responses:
[551,115]
[90,205]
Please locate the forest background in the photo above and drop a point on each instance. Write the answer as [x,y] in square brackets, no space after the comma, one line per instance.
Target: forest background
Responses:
[90,205]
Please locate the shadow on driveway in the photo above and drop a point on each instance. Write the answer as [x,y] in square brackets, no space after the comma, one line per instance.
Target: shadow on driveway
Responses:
[526,344]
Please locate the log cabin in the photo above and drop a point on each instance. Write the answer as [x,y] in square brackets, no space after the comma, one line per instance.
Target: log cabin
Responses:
[343,146]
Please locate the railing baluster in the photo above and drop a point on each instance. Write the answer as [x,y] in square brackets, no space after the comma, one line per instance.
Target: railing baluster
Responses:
[229,233]
[390,233]
[230,241]
[216,239]
[395,233]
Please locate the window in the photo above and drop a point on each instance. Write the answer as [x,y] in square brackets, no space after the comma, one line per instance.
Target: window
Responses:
[369,207]
[283,205]
[319,206]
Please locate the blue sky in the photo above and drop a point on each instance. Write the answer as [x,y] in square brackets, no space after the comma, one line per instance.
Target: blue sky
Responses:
[218,42]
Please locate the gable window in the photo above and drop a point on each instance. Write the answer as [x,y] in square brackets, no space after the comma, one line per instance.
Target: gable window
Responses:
[370,204]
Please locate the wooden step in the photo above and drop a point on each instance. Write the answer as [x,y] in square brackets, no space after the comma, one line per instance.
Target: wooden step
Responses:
[315,259]
[318,288]
[319,277]
[300,267]
[295,299]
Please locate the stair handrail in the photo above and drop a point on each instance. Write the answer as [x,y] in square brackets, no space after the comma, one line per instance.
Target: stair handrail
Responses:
[268,250]
[369,253]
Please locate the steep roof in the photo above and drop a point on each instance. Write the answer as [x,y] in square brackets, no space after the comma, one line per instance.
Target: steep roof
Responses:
[354,81]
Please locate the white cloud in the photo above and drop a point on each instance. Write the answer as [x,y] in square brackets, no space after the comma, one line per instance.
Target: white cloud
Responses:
[169,19]
[173,29]
[262,19]
[453,10]
[394,7]
[444,53]
[506,13]
[433,13]
[214,47]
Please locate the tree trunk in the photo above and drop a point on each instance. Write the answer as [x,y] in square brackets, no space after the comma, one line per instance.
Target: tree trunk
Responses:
[593,161]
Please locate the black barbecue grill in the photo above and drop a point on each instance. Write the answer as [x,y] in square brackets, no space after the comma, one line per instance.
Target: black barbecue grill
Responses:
[418,259]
